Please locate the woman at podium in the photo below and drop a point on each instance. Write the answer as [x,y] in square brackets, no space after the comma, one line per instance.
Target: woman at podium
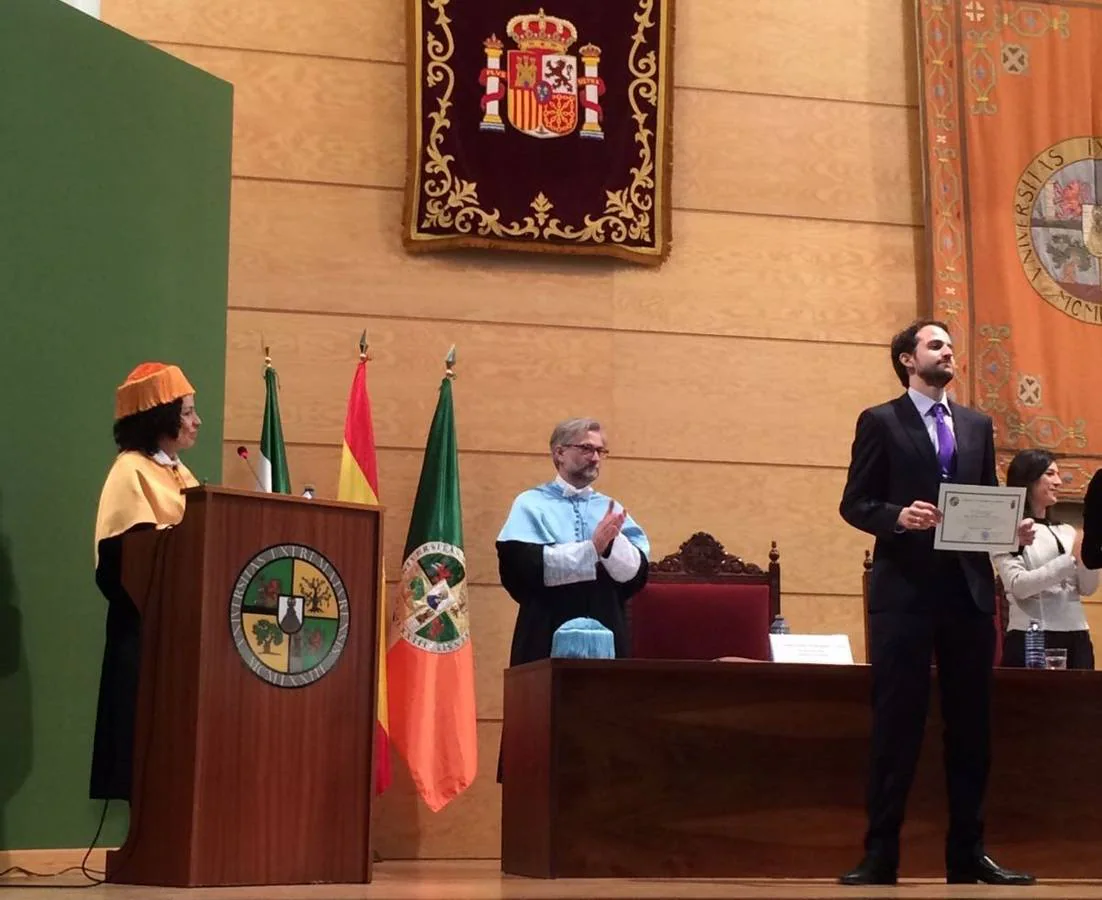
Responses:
[155,419]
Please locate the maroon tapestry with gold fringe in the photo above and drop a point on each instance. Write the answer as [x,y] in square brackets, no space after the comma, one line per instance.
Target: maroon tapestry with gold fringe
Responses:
[540,128]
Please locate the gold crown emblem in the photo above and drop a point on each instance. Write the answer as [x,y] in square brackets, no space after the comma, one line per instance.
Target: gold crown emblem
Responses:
[537,31]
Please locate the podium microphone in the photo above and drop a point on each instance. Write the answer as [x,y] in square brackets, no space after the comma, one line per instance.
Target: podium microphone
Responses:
[243,452]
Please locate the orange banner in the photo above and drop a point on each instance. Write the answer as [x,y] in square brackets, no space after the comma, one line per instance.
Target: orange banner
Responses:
[1012,140]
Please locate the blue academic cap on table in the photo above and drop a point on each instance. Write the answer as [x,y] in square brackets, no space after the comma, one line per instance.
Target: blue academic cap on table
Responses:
[583,639]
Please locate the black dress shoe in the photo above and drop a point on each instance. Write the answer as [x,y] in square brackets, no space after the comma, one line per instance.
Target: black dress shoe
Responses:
[985,870]
[870,871]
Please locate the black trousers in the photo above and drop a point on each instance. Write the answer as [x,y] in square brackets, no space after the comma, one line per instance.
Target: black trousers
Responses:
[902,645]
[1077,643]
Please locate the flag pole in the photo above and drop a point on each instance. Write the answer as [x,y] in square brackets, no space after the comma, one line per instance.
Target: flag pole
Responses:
[273,451]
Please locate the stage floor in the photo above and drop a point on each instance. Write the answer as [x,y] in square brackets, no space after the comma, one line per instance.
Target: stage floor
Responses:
[482,880]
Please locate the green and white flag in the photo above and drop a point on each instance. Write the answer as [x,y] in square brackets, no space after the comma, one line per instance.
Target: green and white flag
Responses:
[273,455]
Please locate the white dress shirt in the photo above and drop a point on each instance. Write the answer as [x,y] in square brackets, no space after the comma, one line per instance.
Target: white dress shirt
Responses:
[577,561]
[924,404]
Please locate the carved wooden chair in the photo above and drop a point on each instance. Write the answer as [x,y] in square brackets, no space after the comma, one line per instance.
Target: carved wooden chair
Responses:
[703,603]
[1001,617]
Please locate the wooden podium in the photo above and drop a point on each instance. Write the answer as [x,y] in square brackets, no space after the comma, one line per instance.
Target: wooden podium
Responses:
[254,737]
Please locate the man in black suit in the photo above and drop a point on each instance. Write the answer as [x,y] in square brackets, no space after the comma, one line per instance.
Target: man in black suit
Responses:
[925,603]
[1091,547]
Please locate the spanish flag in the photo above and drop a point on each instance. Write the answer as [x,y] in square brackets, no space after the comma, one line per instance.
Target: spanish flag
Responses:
[359,483]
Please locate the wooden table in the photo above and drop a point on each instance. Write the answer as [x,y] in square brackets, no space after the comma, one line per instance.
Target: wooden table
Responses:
[640,768]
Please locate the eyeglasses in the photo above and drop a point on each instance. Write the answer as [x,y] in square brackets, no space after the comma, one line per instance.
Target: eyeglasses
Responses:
[589,449]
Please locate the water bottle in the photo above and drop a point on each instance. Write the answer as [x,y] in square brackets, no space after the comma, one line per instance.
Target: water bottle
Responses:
[780,626]
[1034,646]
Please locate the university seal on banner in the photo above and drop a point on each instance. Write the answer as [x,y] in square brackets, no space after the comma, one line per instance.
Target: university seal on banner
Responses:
[432,612]
[1058,226]
[289,615]
[541,80]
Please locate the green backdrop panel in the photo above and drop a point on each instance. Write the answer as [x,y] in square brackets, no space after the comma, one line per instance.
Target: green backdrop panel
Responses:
[114,220]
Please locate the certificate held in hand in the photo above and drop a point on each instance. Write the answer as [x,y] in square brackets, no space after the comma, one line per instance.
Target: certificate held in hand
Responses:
[978,518]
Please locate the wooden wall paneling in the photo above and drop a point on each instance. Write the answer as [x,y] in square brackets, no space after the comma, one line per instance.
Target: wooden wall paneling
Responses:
[802,48]
[340,121]
[796,157]
[493,614]
[732,399]
[306,118]
[766,276]
[743,506]
[353,29]
[324,247]
[513,382]
[338,249]
[855,51]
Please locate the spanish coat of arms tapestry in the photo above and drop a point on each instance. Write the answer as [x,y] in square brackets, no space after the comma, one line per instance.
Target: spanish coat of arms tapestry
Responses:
[540,128]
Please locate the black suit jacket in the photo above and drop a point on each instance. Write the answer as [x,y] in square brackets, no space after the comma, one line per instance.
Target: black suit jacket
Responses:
[1091,552]
[893,464]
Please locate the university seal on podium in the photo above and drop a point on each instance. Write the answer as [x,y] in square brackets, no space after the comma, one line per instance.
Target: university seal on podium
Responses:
[432,612]
[289,615]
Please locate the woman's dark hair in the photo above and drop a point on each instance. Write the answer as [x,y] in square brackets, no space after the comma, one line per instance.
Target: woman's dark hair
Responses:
[143,431]
[1027,466]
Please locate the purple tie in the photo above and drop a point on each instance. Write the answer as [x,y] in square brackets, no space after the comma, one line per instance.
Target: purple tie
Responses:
[946,446]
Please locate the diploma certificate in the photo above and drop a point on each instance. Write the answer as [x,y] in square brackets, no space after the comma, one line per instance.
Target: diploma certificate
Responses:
[979,518]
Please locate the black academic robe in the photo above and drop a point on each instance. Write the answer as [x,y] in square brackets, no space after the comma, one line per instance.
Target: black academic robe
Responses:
[541,609]
[113,745]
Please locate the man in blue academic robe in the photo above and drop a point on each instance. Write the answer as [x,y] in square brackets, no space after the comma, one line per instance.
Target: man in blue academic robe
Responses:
[567,551]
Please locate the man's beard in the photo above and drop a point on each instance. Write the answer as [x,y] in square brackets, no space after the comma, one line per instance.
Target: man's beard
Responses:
[588,474]
[935,376]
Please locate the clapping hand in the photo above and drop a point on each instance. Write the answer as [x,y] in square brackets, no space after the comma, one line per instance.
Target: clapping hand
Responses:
[607,529]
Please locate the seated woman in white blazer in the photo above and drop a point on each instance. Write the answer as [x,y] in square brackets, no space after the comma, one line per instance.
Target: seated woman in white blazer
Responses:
[1046,580]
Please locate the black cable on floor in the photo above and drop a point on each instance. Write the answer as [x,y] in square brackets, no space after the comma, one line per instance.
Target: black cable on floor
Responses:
[82,868]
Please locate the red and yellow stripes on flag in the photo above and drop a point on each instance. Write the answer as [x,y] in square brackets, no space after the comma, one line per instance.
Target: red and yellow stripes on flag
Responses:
[359,483]
[525,111]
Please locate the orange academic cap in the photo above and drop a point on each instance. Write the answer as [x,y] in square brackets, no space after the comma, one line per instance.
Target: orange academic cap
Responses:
[149,385]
